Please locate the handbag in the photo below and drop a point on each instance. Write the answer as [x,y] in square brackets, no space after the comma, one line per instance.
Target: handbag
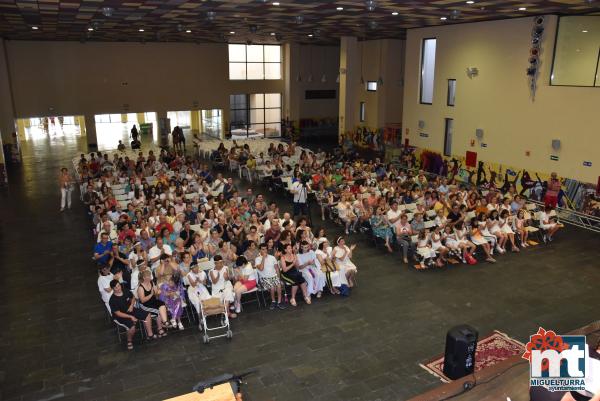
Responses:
[470,259]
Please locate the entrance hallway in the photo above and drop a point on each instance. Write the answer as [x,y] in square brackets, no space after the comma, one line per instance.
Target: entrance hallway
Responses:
[56,341]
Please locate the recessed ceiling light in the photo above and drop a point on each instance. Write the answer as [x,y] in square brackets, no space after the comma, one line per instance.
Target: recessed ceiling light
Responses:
[188,31]
[340,8]
[35,28]
[522,8]
[272,33]
[141,30]
[310,35]
[585,31]
[90,29]
[443,18]
[232,33]
[275,3]
[470,2]
[395,13]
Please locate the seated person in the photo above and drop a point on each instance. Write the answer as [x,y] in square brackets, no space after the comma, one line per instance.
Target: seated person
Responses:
[173,296]
[268,272]
[246,280]
[221,286]
[125,314]
[197,290]
[146,294]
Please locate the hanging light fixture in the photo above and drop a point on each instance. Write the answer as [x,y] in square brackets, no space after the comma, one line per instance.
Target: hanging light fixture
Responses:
[371,5]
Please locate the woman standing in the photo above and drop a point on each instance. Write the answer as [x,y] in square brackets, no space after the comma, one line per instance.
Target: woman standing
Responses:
[291,276]
[66,187]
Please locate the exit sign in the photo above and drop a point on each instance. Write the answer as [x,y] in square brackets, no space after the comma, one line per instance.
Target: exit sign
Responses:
[553,157]
[423,135]
[587,164]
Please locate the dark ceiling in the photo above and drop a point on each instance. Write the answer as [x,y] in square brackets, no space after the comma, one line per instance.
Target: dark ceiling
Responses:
[256,20]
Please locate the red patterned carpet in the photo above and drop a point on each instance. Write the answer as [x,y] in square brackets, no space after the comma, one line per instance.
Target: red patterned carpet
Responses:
[491,349]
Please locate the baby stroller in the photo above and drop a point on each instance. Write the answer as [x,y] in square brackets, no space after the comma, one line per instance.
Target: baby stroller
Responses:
[214,307]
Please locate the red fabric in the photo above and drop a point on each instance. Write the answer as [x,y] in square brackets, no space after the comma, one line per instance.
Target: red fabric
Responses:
[471,159]
[550,200]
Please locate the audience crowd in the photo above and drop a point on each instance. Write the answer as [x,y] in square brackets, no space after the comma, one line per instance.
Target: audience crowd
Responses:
[159,218]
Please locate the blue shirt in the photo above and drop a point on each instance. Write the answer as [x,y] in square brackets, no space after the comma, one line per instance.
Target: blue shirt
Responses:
[100,249]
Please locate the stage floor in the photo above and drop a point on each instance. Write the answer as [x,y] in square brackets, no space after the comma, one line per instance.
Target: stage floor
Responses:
[55,342]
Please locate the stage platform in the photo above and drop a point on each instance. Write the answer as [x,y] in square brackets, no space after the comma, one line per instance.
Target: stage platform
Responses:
[507,380]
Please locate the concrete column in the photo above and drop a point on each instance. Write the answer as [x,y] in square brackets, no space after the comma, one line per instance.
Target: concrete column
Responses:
[195,121]
[349,76]
[7,104]
[90,132]
[291,109]
[163,129]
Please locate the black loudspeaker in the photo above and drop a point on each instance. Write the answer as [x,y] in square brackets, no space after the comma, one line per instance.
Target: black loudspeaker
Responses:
[459,358]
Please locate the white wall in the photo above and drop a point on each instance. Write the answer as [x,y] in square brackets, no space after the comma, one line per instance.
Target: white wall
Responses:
[498,100]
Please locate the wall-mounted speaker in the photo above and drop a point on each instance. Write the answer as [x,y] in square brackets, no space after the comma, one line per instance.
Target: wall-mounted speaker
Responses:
[479,133]
[556,144]
[421,124]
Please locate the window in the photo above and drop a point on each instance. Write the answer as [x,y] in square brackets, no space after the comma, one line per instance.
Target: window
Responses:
[258,113]
[577,52]
[211,122]
[372,86]
[451,92]
[248,62]
[150,117]
[427,70]
[448,137]
[362,112]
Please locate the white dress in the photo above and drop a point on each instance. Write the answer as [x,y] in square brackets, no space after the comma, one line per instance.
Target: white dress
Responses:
[199,292]
[451,241]
[337,278]
[315,278]
[505,226]
[436,241]
[425,251]
[222,289]
[344,264]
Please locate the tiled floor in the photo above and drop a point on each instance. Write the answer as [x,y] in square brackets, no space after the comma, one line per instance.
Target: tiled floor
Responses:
[55,342]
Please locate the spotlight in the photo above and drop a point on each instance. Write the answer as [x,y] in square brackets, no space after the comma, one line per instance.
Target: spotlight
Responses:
[395,13]
[299,19]
[210,15]
[272,33]
[371,5]
[35,28]
[275,3]
[470,2]
[141,30]
[188,31]
[443,18]
[107,11]
[90,29]
[340,8]
[522,8]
